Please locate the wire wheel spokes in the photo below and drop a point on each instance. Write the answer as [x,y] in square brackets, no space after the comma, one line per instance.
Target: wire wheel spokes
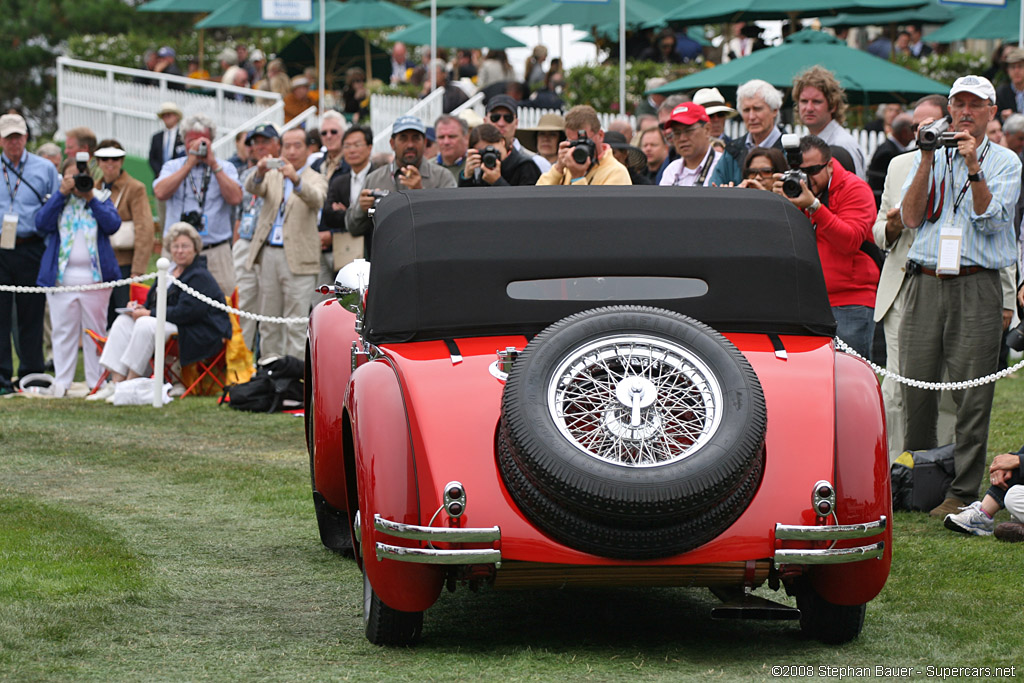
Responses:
[635,400]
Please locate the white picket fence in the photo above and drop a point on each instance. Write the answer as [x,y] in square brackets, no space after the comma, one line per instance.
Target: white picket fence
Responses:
[90,94]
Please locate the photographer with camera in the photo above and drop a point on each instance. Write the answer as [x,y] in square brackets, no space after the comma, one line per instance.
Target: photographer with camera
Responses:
[961,200]
[27,181]
[841,208]
[77,223]
[285,247]
[409,171]
[689,126]
[584,158]
[200,191]
[490,163]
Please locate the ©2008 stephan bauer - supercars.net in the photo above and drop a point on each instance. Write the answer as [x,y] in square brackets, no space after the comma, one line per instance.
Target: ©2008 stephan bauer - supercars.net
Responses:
[547,387]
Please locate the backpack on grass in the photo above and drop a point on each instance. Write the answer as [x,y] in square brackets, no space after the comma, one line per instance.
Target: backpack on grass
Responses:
[276,386]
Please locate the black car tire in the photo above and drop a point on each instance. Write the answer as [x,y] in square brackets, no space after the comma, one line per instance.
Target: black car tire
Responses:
[600,500]
[387,626]
[825,621]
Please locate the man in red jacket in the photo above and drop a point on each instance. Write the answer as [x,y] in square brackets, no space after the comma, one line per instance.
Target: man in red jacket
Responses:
[841,208]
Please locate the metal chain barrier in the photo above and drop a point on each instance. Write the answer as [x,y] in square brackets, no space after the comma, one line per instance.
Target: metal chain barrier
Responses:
[18,289]
[934,386]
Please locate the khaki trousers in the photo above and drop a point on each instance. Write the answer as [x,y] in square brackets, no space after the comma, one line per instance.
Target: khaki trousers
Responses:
[285,295]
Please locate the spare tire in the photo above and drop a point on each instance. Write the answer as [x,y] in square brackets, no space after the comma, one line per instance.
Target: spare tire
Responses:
[631,432]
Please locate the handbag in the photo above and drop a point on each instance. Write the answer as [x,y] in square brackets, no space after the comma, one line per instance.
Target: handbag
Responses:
[124,238]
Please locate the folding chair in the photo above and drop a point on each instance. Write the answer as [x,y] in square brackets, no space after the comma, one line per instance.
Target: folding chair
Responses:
[137,292]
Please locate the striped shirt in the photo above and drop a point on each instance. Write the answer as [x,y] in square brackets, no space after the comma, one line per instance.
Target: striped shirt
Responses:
[988,239]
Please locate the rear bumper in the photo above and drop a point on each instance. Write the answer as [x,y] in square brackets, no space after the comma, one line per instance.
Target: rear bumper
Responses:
[832,555]
[432,534]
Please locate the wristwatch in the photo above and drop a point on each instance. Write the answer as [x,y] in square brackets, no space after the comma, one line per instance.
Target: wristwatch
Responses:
[976,177]
[815,205]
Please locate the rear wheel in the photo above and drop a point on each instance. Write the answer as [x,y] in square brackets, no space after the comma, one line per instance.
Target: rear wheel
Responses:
[387,626]
[825,621]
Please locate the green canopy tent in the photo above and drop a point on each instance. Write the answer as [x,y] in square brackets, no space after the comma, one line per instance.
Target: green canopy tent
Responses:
[457,28]
[343,50]
[993,23]
[865,78]
[933,13]
[469,4]
[701,11]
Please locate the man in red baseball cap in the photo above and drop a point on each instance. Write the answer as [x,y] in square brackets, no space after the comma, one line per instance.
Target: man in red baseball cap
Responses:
[689,124]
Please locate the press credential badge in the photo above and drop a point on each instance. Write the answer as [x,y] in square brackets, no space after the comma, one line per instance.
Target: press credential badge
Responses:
[9,233]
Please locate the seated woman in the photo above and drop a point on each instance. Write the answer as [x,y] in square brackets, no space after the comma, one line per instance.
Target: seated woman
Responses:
[201,329]
[77,226]
[760,165]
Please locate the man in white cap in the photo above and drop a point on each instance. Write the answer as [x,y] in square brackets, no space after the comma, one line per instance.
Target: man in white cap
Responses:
[28,181]
[166,144]
[718,111]
[961,201]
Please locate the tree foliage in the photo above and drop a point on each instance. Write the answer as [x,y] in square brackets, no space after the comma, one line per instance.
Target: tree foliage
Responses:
[598,85]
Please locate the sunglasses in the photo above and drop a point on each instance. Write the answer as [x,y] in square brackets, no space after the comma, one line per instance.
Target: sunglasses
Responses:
[328,131]
[764,172]
[813,170]
[495,117]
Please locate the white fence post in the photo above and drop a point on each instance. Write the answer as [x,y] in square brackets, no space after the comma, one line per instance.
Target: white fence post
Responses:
[162,264]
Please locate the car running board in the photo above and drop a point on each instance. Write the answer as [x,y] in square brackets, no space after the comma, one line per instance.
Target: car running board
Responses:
[750,606]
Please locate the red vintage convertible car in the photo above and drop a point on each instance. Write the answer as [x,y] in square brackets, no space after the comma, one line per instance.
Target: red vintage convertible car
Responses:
[596,386]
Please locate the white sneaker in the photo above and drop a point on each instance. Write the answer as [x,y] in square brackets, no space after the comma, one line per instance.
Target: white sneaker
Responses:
[105,391]
[970,520]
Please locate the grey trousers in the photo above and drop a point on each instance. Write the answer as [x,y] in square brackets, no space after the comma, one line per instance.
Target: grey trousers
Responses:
[957,324]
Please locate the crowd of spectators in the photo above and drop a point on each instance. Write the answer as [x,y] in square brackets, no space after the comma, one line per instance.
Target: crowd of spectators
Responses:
[292,207]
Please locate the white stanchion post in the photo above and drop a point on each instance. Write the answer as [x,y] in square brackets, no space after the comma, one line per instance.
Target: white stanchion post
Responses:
[162,265]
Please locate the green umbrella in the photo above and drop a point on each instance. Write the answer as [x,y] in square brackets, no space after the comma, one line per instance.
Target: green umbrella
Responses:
[457,28]
[185,6]
[934,13]
[589,14]
[234,13]
[993,23]
[701,11]
[859,73]
[517,9]
[474,4]
[356,15]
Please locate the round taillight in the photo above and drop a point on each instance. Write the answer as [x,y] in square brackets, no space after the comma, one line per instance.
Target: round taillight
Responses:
[824,507]
[455,509]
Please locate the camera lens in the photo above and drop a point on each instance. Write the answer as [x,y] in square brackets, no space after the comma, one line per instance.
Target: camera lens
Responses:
[83,182]
[580,155]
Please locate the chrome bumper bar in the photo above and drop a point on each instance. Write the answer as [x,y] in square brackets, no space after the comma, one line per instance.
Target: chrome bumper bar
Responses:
[439,535]
[829,533]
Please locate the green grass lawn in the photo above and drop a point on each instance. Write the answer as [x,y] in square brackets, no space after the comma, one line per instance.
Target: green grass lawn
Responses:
[180,544]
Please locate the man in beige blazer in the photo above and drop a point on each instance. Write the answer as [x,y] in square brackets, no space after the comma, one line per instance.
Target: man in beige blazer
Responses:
[285,249]
[890,235]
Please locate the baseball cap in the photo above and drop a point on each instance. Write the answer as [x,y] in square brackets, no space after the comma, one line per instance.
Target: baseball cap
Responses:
[166,51]
[257,56]
[299,81]
[266,130]
[688,114]
[431,134]
[712,101]
[976,85]
[408,123]
[503,101]
[11,124]
[1015,55]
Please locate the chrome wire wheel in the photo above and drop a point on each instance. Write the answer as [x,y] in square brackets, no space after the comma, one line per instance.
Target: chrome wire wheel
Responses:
[635,400]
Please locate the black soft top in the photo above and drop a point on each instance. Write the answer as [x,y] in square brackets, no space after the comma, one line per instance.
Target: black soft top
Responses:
[442,259]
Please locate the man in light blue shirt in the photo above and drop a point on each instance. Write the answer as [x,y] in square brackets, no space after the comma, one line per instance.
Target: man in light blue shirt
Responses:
[961,200]
[28,181]
[200,190]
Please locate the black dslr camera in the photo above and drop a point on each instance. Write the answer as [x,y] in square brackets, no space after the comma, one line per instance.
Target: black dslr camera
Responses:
[83,181]
[1015,337]
[377,196]
[792,178]
[936,134]
[193,218]
[583,148]
[489,157]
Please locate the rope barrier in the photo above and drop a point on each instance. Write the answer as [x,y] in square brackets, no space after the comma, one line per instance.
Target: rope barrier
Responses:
[840,344]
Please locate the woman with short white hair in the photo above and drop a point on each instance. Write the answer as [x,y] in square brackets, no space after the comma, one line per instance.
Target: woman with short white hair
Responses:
[201,329]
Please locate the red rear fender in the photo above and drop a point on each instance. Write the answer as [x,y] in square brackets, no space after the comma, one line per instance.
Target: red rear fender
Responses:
[386,475]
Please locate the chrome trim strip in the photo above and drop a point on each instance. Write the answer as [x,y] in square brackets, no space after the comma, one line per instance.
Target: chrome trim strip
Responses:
[435,556]
[435,533]
[829,556]
[836,532]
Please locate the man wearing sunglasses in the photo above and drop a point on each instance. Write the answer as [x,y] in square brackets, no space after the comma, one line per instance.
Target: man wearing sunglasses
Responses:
[841,208]
[503,112]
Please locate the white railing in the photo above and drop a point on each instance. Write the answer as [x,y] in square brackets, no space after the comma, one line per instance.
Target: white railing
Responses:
[90,94]
[427,109]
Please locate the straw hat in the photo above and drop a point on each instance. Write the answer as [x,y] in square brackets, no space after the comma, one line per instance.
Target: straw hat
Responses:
[548,122]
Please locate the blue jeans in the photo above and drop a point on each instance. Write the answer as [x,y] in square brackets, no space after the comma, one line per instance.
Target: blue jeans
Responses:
[855,325]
